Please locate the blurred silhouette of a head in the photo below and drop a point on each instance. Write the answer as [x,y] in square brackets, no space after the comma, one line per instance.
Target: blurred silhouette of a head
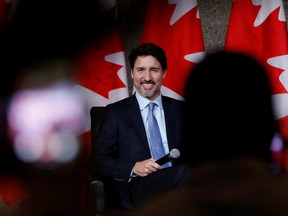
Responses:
[228,109]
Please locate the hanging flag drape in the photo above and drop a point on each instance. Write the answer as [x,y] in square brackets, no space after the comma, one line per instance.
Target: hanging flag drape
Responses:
[175,26]
[258,28]
[101,77]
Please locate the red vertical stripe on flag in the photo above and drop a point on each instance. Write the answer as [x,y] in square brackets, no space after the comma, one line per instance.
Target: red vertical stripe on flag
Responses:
[258,28]
[5,9]
[176,27]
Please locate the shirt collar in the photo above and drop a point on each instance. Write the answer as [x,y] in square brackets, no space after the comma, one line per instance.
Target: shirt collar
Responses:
[143,102]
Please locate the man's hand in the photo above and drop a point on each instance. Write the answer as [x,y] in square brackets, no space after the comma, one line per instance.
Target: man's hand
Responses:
[144,168]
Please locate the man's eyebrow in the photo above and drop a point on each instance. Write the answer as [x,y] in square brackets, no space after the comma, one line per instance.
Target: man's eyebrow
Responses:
[158,68]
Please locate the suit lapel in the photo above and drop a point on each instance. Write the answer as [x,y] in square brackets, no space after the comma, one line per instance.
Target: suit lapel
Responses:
[136,119]
[170,119]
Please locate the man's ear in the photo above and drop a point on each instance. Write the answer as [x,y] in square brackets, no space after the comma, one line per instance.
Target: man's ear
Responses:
[164,74]
[131,73]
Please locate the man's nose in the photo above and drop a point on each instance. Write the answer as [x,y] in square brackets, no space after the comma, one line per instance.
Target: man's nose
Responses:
[147,75]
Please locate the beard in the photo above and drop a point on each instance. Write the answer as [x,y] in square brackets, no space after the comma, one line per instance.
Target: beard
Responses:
[148,93]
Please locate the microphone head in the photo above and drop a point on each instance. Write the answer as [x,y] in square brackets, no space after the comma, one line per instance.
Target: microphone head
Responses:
[174,153]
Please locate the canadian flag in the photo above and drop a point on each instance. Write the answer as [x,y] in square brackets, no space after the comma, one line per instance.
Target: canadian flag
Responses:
[175,26]
[101,77]
[258,28]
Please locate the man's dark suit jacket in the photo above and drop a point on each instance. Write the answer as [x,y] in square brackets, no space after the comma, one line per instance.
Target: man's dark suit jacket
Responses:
[121,140]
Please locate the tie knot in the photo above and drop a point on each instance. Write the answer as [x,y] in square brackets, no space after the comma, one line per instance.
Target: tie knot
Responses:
[151,106]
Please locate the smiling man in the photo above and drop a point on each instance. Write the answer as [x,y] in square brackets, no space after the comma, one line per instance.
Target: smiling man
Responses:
[125,150]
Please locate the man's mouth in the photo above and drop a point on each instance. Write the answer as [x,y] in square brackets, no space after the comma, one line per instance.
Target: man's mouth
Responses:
[148,85]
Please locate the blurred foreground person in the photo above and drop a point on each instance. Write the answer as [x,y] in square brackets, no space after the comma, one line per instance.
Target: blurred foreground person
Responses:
[41,158]
[229,127]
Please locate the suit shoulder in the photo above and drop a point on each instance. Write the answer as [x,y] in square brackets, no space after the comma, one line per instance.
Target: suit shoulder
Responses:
[111,105]
[120,102]
[172,100]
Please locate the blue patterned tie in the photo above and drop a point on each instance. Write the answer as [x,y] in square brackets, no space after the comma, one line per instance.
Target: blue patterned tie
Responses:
[156,144]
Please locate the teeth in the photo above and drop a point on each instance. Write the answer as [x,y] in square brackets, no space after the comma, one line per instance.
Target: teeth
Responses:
[147,84]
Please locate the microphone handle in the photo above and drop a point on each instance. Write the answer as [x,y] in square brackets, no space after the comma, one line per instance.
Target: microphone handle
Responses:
[163,160]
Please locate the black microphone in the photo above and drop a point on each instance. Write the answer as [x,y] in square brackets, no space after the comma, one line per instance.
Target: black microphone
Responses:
[173,154]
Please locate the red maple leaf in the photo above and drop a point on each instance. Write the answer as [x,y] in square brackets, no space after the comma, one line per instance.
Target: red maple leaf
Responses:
[95,73]
[182,38]
[262,42]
